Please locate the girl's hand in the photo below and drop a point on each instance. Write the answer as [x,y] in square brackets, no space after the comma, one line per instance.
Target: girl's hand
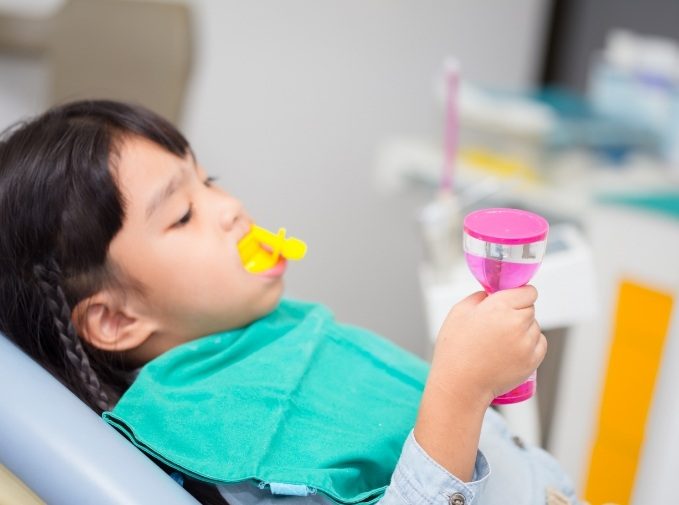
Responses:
[488,345]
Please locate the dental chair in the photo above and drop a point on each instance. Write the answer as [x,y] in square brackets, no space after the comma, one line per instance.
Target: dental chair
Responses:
[63,451]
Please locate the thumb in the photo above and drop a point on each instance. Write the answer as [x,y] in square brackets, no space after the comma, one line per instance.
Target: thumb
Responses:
[474,299]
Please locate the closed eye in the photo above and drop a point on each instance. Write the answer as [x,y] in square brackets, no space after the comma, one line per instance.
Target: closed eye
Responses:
[185,218]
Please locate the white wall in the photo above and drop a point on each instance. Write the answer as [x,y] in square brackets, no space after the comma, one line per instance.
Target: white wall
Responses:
[23,88]
[290,100]
[288,103]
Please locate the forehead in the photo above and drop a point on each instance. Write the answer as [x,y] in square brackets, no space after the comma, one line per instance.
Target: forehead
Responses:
[142,167]
[140,160]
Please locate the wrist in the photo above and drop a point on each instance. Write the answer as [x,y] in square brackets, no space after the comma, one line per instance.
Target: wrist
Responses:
[448,428]
[458,390]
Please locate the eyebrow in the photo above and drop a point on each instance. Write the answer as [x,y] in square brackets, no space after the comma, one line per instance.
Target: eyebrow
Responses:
[166,192]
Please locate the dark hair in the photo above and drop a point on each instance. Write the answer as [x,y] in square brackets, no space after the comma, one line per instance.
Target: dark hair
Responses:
[60,208]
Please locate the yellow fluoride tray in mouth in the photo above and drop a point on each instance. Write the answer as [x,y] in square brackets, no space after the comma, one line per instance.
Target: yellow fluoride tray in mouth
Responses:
[261,249]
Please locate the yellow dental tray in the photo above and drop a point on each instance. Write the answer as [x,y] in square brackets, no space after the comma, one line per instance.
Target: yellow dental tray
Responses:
[261,249]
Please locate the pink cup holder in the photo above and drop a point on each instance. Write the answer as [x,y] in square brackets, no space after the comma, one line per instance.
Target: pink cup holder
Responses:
[503,249]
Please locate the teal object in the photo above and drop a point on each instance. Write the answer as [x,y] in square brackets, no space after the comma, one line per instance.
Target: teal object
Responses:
[295,402]
[661,202]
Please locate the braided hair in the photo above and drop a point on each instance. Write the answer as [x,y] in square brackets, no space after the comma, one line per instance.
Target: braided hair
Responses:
[49,280]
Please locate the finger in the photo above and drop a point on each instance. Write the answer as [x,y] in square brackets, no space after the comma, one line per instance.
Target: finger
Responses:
[518,298]
[540,350]
[528,314]
[474,298]
[534,329]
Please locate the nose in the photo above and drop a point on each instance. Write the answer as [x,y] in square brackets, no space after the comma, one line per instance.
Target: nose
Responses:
[230,212]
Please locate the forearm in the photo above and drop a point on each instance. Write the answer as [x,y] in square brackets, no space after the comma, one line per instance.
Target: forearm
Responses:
[448,428]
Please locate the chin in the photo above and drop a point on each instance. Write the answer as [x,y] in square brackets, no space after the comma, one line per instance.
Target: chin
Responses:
[271,300]
[275,300]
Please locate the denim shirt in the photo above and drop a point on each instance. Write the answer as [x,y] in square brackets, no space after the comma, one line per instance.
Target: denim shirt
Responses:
[506,472]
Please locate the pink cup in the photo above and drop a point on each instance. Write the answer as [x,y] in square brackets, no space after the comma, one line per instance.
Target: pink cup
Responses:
[504,248]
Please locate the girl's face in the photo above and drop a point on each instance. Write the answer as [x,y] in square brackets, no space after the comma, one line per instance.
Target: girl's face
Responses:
[179,240]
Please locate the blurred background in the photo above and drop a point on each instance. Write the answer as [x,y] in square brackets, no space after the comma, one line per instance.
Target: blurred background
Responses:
[329,119]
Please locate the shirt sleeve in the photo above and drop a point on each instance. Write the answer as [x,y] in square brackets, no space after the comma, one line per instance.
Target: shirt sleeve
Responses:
[418,479]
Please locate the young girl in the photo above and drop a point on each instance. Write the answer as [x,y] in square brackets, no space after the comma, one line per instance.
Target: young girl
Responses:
[117,248]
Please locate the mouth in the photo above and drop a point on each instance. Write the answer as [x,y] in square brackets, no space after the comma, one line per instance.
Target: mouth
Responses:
[265,254]
[276,271]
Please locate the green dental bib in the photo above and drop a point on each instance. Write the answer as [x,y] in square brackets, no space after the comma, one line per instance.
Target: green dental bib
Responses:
[295,401]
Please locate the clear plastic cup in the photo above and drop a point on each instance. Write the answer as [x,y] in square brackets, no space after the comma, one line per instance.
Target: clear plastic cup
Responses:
[503,249]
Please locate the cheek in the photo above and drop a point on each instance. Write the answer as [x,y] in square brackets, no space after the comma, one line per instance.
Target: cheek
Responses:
[212,278]
[190,273]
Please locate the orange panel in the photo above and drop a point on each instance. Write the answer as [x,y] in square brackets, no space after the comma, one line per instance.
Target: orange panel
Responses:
[641,325]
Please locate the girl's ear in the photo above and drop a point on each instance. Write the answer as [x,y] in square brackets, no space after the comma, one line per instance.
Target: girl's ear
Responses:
[106,322]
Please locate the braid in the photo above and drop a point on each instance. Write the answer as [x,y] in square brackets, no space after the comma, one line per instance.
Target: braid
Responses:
[49,279]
